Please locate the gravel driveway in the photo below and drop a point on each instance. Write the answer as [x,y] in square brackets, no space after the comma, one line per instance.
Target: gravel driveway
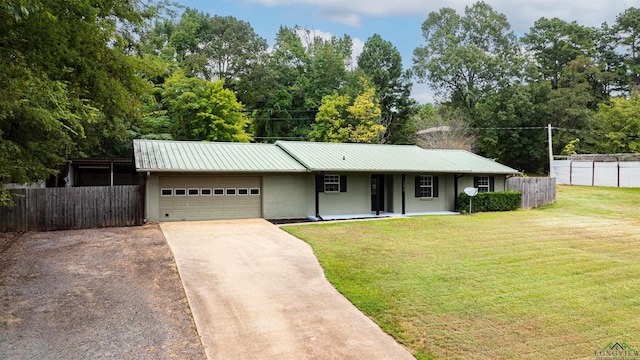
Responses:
[109,293]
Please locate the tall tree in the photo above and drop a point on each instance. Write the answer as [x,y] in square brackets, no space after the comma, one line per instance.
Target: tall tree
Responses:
[511,126]
[610,62]
[467,57]
[340,119]
[211,47]
[627,27]
[65,70]
[326,68]
[281,109]
[203,110]
[302,70]
[382,63]
[554,43]
[619,121]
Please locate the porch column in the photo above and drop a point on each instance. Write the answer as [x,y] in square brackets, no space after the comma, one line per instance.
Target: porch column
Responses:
[111,174]
[318,190]
[455,190]
[403,192]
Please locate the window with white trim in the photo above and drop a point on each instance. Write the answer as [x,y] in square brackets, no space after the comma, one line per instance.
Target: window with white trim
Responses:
[426,186]
[218,192]
[193,192]
[205,191]
[482,183]
[181,192]
[243,191]
[231,191]
[166,192]
[332,183]
[254,191]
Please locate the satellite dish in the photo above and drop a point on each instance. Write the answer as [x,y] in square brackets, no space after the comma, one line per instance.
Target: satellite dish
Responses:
[471,191]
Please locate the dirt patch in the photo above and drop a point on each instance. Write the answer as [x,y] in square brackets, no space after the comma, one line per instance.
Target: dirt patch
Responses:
[110,293]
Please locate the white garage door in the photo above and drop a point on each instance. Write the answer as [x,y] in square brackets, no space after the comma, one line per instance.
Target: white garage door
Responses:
[210,197]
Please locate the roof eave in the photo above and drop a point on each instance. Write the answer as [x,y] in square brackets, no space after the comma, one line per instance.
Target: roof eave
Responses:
[416,171]
[192,171]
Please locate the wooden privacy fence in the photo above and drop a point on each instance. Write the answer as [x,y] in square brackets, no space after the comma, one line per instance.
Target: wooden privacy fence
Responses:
[536,191]
[73,208]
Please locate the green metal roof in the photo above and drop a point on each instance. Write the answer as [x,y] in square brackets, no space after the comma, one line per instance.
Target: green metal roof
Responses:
[461,161]
[197,156]
[317,156]
[298,156]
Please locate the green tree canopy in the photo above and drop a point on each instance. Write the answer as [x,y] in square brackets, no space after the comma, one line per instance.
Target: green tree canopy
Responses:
[466,57]
[211,47]
[302,70]
[341,120]
[203,110]
[68,86]
[627,29]
[554,43]
[619,121]
[382,63]
[511,126]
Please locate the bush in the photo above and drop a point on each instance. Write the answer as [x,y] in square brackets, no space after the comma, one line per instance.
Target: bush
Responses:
[490,201]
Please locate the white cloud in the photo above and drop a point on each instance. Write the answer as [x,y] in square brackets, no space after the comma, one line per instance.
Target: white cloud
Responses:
[352,20]
[521,14]
[358,46]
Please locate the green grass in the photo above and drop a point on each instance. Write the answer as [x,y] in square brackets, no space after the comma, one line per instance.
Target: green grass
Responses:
[557,282]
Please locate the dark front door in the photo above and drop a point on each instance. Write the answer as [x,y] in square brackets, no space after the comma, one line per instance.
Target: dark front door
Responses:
[377,193]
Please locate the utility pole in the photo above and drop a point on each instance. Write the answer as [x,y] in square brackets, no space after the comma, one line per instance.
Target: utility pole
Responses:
[552,172]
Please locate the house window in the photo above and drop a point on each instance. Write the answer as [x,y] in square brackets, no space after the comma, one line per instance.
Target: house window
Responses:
[231,191]
[218,192]
[181,192]
[193,192]
[254,191]
[205,192]
[243,191]
[426,186]
[331,183]
[484,183]
[166,192]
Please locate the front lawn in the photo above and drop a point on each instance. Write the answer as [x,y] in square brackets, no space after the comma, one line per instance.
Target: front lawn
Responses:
[556,282]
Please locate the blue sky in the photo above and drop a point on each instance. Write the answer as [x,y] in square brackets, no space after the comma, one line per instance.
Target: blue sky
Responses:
[397,21]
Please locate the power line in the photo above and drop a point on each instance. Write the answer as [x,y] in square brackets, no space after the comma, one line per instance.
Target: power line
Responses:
[512,128]
[629,136]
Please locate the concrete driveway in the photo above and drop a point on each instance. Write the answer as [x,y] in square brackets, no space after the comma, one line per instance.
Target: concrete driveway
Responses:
[257,292]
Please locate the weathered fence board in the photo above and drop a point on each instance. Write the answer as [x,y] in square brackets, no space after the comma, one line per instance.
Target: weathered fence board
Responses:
[536,191]
[74,208]
[14,219]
